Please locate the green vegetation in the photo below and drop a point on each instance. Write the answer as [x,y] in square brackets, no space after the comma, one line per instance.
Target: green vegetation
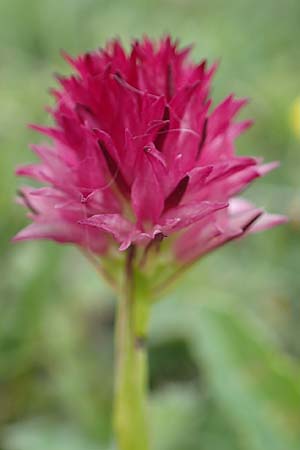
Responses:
[224,346]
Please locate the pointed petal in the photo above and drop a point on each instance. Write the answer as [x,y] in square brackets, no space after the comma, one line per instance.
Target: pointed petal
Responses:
[115,224]
[147,192]
[63,232]
[267,221]
[185,215]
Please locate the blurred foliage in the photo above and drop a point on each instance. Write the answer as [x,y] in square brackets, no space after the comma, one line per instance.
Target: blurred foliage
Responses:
[225,345]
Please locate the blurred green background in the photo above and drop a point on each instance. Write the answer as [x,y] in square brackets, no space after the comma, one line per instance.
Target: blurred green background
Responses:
[225,345]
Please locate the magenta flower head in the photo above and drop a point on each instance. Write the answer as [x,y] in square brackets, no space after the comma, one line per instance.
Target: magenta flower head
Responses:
[140,157]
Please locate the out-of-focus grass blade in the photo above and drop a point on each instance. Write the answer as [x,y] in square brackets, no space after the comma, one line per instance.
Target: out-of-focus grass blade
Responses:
[183,418]
[257,386]
[43,435]
[21,313]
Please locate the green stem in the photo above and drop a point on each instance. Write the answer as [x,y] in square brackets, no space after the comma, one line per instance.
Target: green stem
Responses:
[131,378]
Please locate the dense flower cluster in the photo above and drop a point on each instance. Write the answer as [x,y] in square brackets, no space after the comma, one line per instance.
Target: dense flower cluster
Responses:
[138,154]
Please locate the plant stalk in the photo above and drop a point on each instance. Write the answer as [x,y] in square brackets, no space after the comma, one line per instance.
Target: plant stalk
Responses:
[131,369]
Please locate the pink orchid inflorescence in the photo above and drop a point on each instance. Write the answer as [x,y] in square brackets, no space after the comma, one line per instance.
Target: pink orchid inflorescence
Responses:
[138,156]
